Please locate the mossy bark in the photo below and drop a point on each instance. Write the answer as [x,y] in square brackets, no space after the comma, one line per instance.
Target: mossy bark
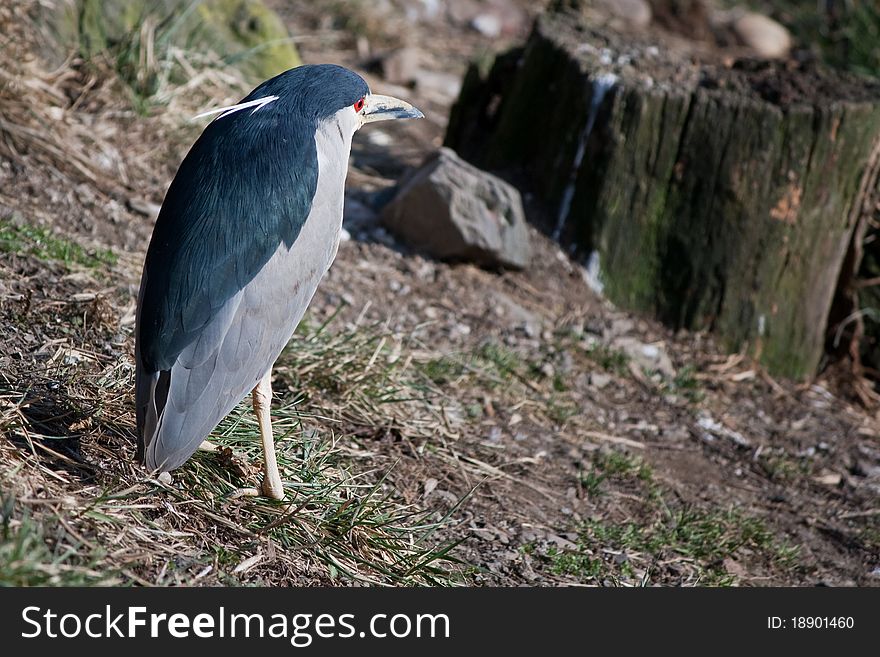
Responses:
[716,198]
[245,33]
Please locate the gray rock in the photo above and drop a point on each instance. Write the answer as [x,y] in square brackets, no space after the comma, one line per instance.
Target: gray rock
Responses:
[514,314]
[635,13]
[401,66]
[406,67]
[437,86]
[454,211]
[649,357]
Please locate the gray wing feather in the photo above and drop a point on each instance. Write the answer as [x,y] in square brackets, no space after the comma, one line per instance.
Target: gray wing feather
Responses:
[232,353]
[204,390]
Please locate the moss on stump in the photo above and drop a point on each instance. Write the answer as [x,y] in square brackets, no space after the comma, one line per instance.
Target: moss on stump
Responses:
[717,196]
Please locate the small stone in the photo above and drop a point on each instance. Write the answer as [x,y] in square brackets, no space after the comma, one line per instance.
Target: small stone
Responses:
[634,13]
[599,380]
[763,35]
[650,357]
[382,236]
[489,25]
[559,541]
[438,86]
[401,66]
[531,329]
[515,313]
[429,485]
[832,479]
[620,326]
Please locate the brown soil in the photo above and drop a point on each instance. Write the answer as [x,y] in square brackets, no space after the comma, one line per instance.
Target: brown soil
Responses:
[720,436]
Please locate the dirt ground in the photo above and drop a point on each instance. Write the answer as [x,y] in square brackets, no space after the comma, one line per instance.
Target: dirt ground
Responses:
[541,447]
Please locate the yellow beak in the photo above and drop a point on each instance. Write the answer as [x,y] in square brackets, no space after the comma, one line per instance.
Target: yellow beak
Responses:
[383,108]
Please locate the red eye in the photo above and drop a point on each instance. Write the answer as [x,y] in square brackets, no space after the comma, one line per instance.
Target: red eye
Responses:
[359,105]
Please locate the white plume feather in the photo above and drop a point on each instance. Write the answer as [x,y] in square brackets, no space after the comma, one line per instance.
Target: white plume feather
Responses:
[257,103]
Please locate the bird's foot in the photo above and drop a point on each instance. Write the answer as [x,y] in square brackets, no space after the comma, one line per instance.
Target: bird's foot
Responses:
[274,490]
[272,487]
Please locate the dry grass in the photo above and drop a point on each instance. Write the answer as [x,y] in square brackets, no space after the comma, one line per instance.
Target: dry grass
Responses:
[409,458]
[74,507]
[53,119]
[33,103]
[89,505]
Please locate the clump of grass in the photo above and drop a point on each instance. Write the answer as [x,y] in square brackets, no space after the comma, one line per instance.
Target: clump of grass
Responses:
[686,383]
[869,537]
[29,559]
[778,466]
[697,541]
[609,359]
[493,366]
[581,564]
[360,376]
[490,365]
[614,464]
[591,481]
[146,58]
[443,370]
[559,409]
[47,246]
[147,61]
[351,523]
[505,362]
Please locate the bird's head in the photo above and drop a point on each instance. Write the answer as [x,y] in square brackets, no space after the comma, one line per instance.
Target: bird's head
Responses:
[316,94]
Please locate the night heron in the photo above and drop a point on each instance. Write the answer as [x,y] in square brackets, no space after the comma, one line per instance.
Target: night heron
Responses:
[249,226]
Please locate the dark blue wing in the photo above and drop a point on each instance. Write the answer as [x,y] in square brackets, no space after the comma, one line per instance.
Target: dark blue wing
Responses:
[244,188]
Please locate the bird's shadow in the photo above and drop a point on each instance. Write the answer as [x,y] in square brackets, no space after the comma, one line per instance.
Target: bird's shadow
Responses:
[51,425]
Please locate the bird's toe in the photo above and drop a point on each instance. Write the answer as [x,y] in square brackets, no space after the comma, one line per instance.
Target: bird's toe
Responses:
[244,492]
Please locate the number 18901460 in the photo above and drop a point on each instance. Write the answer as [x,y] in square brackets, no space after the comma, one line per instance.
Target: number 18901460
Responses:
[811,622]
[822,622]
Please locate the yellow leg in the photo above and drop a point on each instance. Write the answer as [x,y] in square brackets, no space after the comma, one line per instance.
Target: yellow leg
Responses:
[271,485]
[262,398]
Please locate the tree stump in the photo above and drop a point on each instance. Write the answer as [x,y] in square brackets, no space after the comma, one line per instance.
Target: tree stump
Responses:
[715,195]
